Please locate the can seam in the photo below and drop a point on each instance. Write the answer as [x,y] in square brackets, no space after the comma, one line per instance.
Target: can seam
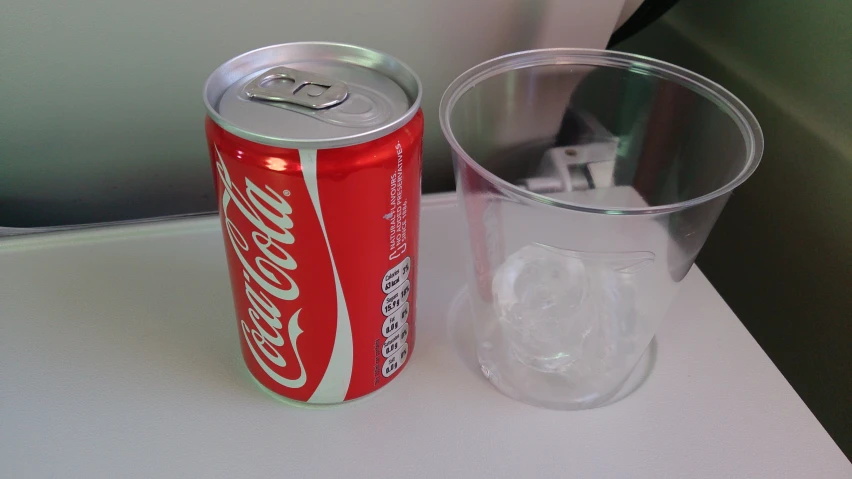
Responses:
[338,142]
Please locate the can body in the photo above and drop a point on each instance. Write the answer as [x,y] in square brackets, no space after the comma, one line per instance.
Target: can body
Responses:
[321,246]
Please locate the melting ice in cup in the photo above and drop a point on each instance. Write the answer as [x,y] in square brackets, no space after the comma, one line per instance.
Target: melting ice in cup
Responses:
[568,312]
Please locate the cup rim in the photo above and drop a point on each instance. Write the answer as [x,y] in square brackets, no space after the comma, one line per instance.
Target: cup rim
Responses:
[725,100]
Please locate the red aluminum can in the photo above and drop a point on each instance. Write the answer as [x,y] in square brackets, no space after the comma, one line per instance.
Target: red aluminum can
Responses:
[316,156]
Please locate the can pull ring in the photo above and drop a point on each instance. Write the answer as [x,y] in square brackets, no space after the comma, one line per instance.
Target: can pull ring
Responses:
[286,85]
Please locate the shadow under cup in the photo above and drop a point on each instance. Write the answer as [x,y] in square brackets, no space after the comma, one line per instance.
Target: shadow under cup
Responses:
[589,180]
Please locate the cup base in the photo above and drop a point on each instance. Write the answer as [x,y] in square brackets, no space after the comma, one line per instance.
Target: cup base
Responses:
[461,332]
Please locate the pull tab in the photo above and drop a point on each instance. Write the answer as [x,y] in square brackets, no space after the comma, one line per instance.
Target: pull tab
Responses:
[281,84]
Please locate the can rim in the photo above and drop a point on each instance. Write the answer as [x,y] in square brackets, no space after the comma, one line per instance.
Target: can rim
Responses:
[724,99]
[384,63]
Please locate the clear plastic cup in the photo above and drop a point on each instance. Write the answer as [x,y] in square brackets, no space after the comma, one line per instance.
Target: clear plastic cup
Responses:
[589,180]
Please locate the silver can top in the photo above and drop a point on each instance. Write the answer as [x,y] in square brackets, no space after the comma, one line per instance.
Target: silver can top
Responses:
[311,94]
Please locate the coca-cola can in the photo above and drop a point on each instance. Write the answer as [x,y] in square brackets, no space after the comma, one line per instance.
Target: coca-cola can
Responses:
[316,156]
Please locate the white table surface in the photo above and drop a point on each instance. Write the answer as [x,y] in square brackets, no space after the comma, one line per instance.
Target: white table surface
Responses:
[119,359]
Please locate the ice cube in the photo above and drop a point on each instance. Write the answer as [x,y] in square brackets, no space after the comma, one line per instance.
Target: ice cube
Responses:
[564,311]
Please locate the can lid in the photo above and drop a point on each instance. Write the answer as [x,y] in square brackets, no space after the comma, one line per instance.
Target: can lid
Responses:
[311,94]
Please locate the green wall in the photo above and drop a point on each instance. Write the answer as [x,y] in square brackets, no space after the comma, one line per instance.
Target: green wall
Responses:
[781,253]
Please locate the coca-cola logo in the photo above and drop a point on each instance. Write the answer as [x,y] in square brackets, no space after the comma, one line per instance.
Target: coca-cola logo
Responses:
[264,215]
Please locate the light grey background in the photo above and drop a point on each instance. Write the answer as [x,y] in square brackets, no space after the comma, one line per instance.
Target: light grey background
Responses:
[100,100]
